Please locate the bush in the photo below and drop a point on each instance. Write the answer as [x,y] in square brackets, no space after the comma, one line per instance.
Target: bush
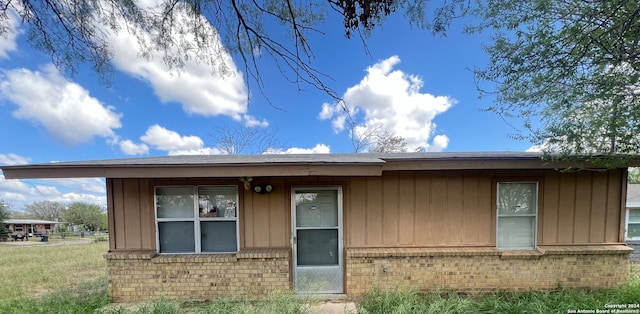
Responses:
[62,231]
[100,239]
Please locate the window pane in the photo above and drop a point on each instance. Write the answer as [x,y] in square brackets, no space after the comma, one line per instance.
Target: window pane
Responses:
[634,215]
[176,237]
[174,202]
[318,247]
[516,232]
[217,201]
[218,236]
[633,230]
[317,208]
[516,198]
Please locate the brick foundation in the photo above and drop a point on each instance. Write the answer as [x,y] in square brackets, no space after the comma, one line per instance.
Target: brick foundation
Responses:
[137,276]
[486,269]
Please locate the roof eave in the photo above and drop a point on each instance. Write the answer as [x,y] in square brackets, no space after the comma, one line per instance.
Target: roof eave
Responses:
[195,170]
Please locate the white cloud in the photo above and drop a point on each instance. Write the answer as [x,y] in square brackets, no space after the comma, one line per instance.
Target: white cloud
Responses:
[64,108]
[199,151]
[535,149]
[439,143]
[13,159]
[318,149]
[175,144]
[9,35]
[130,148]
[19,193]
[202,89]
[163,139]
[251,121]
[391,100]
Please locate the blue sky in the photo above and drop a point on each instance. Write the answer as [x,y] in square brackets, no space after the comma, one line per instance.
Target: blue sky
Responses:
[411,84]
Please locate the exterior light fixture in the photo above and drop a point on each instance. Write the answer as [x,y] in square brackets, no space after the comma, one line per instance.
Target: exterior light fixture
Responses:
[263,188]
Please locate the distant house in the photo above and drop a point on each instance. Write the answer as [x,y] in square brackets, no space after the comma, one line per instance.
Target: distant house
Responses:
[30,227]
[203,227]
[633,220]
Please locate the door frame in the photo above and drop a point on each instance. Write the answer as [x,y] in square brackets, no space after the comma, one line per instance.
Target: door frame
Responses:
[293,239]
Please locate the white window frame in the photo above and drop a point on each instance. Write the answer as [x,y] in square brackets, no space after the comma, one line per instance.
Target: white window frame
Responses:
[626,231]
[534,215]
[196,219]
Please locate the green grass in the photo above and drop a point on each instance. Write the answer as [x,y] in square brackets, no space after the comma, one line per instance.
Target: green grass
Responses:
[72,279]
[277,303]
[52,278]
[560,301]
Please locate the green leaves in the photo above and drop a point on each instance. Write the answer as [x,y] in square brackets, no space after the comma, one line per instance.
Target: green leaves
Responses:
[91,217]
[575,64]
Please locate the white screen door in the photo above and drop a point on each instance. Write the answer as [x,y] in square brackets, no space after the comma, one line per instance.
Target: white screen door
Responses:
[317,239]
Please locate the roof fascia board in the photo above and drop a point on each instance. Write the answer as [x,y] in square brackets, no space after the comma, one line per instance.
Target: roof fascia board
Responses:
[189,171]
[473,164]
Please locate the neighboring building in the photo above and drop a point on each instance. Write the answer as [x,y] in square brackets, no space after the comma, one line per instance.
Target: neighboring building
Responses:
[633,220]
[31,226]
[203,227]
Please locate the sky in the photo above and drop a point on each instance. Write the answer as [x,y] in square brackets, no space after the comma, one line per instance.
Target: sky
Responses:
[405,81]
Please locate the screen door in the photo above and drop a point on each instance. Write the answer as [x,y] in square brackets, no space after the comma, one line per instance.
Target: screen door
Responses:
[317,239]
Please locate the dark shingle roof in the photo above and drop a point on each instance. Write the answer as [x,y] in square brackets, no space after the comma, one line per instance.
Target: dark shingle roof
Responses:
[291,158]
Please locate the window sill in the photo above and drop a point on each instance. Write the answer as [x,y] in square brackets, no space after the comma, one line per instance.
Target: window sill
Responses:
[274,253]
[585,249]
[487,251]
[521,254]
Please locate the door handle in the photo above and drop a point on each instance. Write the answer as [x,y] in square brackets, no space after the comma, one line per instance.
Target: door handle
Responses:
[295,240]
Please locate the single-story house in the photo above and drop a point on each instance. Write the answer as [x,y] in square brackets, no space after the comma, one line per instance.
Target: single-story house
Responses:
[633,220]
[30,227]
[203,227]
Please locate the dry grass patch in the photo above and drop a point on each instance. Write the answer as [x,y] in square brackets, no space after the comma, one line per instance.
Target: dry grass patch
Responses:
[32,271]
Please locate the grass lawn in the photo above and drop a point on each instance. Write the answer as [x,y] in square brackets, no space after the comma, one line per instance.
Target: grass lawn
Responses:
[50,278]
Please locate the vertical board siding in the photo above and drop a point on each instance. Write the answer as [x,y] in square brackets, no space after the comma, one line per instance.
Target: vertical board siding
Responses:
[612,226]
[111,214]
[401,208]
[485,222]
[390,210]
[374,212]
[147,216]
[454,214]
[582,212]
[118,215]
[598,208]
[357,215]
[131,215]
[438,207]
[132,212]
[406,207]
[423,220]
[454,208]
[261,230]
[470,208]
[548,226]
[566,206]
[581,208]
[249,220]
[279,214]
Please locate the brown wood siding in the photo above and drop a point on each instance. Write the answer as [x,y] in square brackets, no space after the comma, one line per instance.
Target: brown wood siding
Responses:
[421,208]
[455,208]
[266,221]
[612,225]
[131,215]
[400,208]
